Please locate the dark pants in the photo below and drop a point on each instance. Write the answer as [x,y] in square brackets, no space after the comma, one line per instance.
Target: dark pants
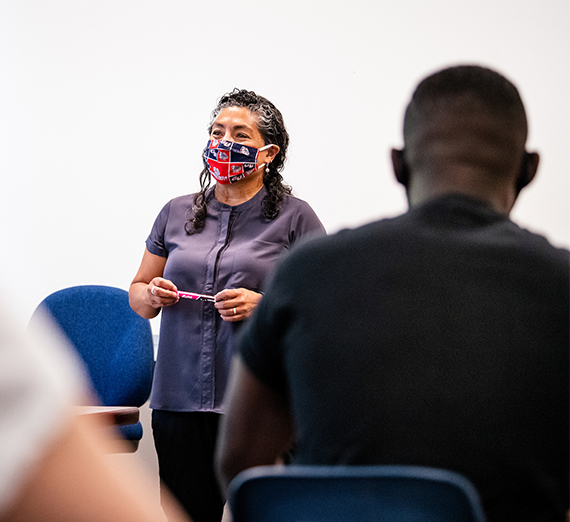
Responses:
[185,444]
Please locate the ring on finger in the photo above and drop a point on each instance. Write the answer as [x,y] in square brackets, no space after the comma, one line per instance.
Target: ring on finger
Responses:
[235,311]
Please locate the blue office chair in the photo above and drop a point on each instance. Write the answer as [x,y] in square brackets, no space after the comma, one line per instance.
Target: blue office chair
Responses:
[114,342]
[353,494]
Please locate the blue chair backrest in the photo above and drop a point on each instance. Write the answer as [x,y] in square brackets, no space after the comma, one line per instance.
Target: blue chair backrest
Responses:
[353,494]
[114,342]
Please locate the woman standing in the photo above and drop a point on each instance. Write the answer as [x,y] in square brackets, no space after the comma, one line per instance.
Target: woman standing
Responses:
[223,242]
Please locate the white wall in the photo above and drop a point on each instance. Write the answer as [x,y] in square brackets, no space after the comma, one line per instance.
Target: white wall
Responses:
[104,106]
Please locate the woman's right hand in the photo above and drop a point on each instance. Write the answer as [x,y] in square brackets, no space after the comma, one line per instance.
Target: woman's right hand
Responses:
[161,292]
[149,291]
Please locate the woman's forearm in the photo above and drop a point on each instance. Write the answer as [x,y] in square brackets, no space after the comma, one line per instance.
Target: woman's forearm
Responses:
[139,301]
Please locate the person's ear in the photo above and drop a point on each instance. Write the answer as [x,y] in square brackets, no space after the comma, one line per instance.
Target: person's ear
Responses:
[400,167]
[271,152]
[528,170]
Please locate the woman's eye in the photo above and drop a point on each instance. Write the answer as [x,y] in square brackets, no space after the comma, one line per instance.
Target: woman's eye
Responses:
[216,133]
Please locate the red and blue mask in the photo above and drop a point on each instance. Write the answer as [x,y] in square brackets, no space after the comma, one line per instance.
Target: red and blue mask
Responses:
[229,162]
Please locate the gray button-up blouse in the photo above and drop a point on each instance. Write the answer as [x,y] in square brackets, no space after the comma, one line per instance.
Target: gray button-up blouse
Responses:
[238,248]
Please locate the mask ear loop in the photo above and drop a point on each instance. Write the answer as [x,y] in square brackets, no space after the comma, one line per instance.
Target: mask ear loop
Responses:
[266,164]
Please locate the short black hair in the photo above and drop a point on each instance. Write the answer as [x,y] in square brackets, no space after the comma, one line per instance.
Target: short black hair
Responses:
[491,89]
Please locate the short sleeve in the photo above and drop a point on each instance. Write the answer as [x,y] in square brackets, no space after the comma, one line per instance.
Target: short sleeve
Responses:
[155,242]
[305,223]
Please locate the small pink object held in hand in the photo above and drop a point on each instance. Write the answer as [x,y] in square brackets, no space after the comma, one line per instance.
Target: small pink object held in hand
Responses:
[196,297]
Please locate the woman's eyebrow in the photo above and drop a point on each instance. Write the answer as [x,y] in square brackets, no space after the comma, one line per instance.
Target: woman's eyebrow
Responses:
[236,127]
[243,127]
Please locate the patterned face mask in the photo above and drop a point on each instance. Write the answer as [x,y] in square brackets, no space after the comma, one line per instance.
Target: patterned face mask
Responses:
[229,162]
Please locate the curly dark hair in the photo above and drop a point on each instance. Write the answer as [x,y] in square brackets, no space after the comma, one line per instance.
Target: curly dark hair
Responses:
[272,129]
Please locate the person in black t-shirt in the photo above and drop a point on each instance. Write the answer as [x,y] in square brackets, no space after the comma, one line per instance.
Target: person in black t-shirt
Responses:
[437,338]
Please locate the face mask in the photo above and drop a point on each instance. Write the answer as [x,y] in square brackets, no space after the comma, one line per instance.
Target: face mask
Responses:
[229,162]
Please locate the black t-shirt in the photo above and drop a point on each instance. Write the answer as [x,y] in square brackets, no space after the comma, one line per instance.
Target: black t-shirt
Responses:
[437,338]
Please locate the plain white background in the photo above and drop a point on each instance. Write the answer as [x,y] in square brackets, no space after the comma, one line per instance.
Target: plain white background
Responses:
[104,106]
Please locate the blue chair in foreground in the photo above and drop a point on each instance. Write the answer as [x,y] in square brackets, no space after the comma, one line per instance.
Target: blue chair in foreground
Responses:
[114,342]
[353,494]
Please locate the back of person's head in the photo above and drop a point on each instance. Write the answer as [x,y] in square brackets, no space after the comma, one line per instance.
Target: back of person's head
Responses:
[465,129]
[482,88]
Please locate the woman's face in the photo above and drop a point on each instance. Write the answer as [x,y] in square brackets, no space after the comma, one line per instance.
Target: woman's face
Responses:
[239,125]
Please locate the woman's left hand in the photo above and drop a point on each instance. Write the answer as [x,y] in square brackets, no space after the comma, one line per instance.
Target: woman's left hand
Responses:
[236,304]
